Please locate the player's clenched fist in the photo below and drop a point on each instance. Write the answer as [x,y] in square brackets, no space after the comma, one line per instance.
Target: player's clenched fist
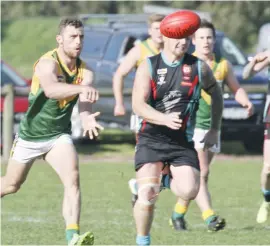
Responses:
[173,121]
[89,94]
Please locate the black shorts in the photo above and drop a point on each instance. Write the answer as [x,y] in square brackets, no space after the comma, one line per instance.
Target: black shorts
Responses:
[176,154]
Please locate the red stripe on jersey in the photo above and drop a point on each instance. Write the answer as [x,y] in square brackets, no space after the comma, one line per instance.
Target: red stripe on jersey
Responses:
[194,83]
[154,89]
[143,125]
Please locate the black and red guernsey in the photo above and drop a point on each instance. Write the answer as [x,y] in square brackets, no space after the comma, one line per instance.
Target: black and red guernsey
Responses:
[175,87]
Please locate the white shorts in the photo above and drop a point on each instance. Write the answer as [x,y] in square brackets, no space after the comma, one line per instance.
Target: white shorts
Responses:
[27,152]
[199,135]
[135,123]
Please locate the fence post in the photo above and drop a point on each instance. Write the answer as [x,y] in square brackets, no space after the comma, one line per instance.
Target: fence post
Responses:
[8,120]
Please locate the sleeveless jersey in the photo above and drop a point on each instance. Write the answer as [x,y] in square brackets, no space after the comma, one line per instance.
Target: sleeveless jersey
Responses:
[174,88]
[48,118]
[203,117]
[147,49]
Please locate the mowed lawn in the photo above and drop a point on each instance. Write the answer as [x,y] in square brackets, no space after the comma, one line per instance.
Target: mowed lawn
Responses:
[33,215]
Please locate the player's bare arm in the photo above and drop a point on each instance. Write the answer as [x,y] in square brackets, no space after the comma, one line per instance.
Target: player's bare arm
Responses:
[127,64]
[240,94]
[46,71]
[210,85]
[258,63]
[140,94]
[88,118]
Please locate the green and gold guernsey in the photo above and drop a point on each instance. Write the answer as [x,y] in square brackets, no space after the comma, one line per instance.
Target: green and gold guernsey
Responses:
[48,118]
[203,116]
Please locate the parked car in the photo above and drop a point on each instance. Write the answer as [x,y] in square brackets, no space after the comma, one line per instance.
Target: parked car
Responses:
[10,76]
[105,46]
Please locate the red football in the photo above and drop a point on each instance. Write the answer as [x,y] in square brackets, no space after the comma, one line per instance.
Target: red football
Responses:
[180,24]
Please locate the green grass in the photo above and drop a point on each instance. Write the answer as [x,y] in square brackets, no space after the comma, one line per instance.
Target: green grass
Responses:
[33,215]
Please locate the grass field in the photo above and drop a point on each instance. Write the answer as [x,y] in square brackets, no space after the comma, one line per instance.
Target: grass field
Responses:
[33,216]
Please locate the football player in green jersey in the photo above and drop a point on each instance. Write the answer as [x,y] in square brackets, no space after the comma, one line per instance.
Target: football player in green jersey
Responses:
[60,78]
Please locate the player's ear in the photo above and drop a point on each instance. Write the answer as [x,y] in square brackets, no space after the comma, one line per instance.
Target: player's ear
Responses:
[59,39]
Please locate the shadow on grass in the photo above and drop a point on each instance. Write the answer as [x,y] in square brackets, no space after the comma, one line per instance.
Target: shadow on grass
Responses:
[117,141]
[4,28]
[109,141]
[237,148]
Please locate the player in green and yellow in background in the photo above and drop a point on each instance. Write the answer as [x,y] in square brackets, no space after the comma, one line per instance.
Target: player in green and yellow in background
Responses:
[204,40]
[152,46]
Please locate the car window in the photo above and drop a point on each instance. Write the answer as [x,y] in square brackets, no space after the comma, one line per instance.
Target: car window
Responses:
[130,42]
[225,48]
[114,46]
[95,43]
[231,52]
[10,77]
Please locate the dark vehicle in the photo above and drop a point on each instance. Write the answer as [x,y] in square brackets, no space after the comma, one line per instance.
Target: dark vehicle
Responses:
[10,76]
[106,45]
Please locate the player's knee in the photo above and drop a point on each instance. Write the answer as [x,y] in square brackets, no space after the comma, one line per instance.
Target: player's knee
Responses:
[190,192]
[148,194]
[266,168]
[11,185]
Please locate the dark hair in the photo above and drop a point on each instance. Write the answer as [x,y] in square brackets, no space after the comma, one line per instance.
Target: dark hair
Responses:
[155,18]
[207,24]
[69,21]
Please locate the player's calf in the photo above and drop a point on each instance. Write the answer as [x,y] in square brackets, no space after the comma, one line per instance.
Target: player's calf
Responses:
[148,192]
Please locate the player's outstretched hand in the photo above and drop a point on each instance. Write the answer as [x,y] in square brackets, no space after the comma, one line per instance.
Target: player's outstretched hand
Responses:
[91,126]
[260,57]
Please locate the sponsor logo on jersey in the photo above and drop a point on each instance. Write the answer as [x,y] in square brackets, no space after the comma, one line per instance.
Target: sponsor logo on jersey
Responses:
[186,70]
[61,78]
[79,80]
[161,79]
[162,71]
[161,76]
[185,83]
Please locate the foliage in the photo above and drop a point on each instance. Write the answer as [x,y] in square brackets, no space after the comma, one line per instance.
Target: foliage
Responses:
[28,27]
